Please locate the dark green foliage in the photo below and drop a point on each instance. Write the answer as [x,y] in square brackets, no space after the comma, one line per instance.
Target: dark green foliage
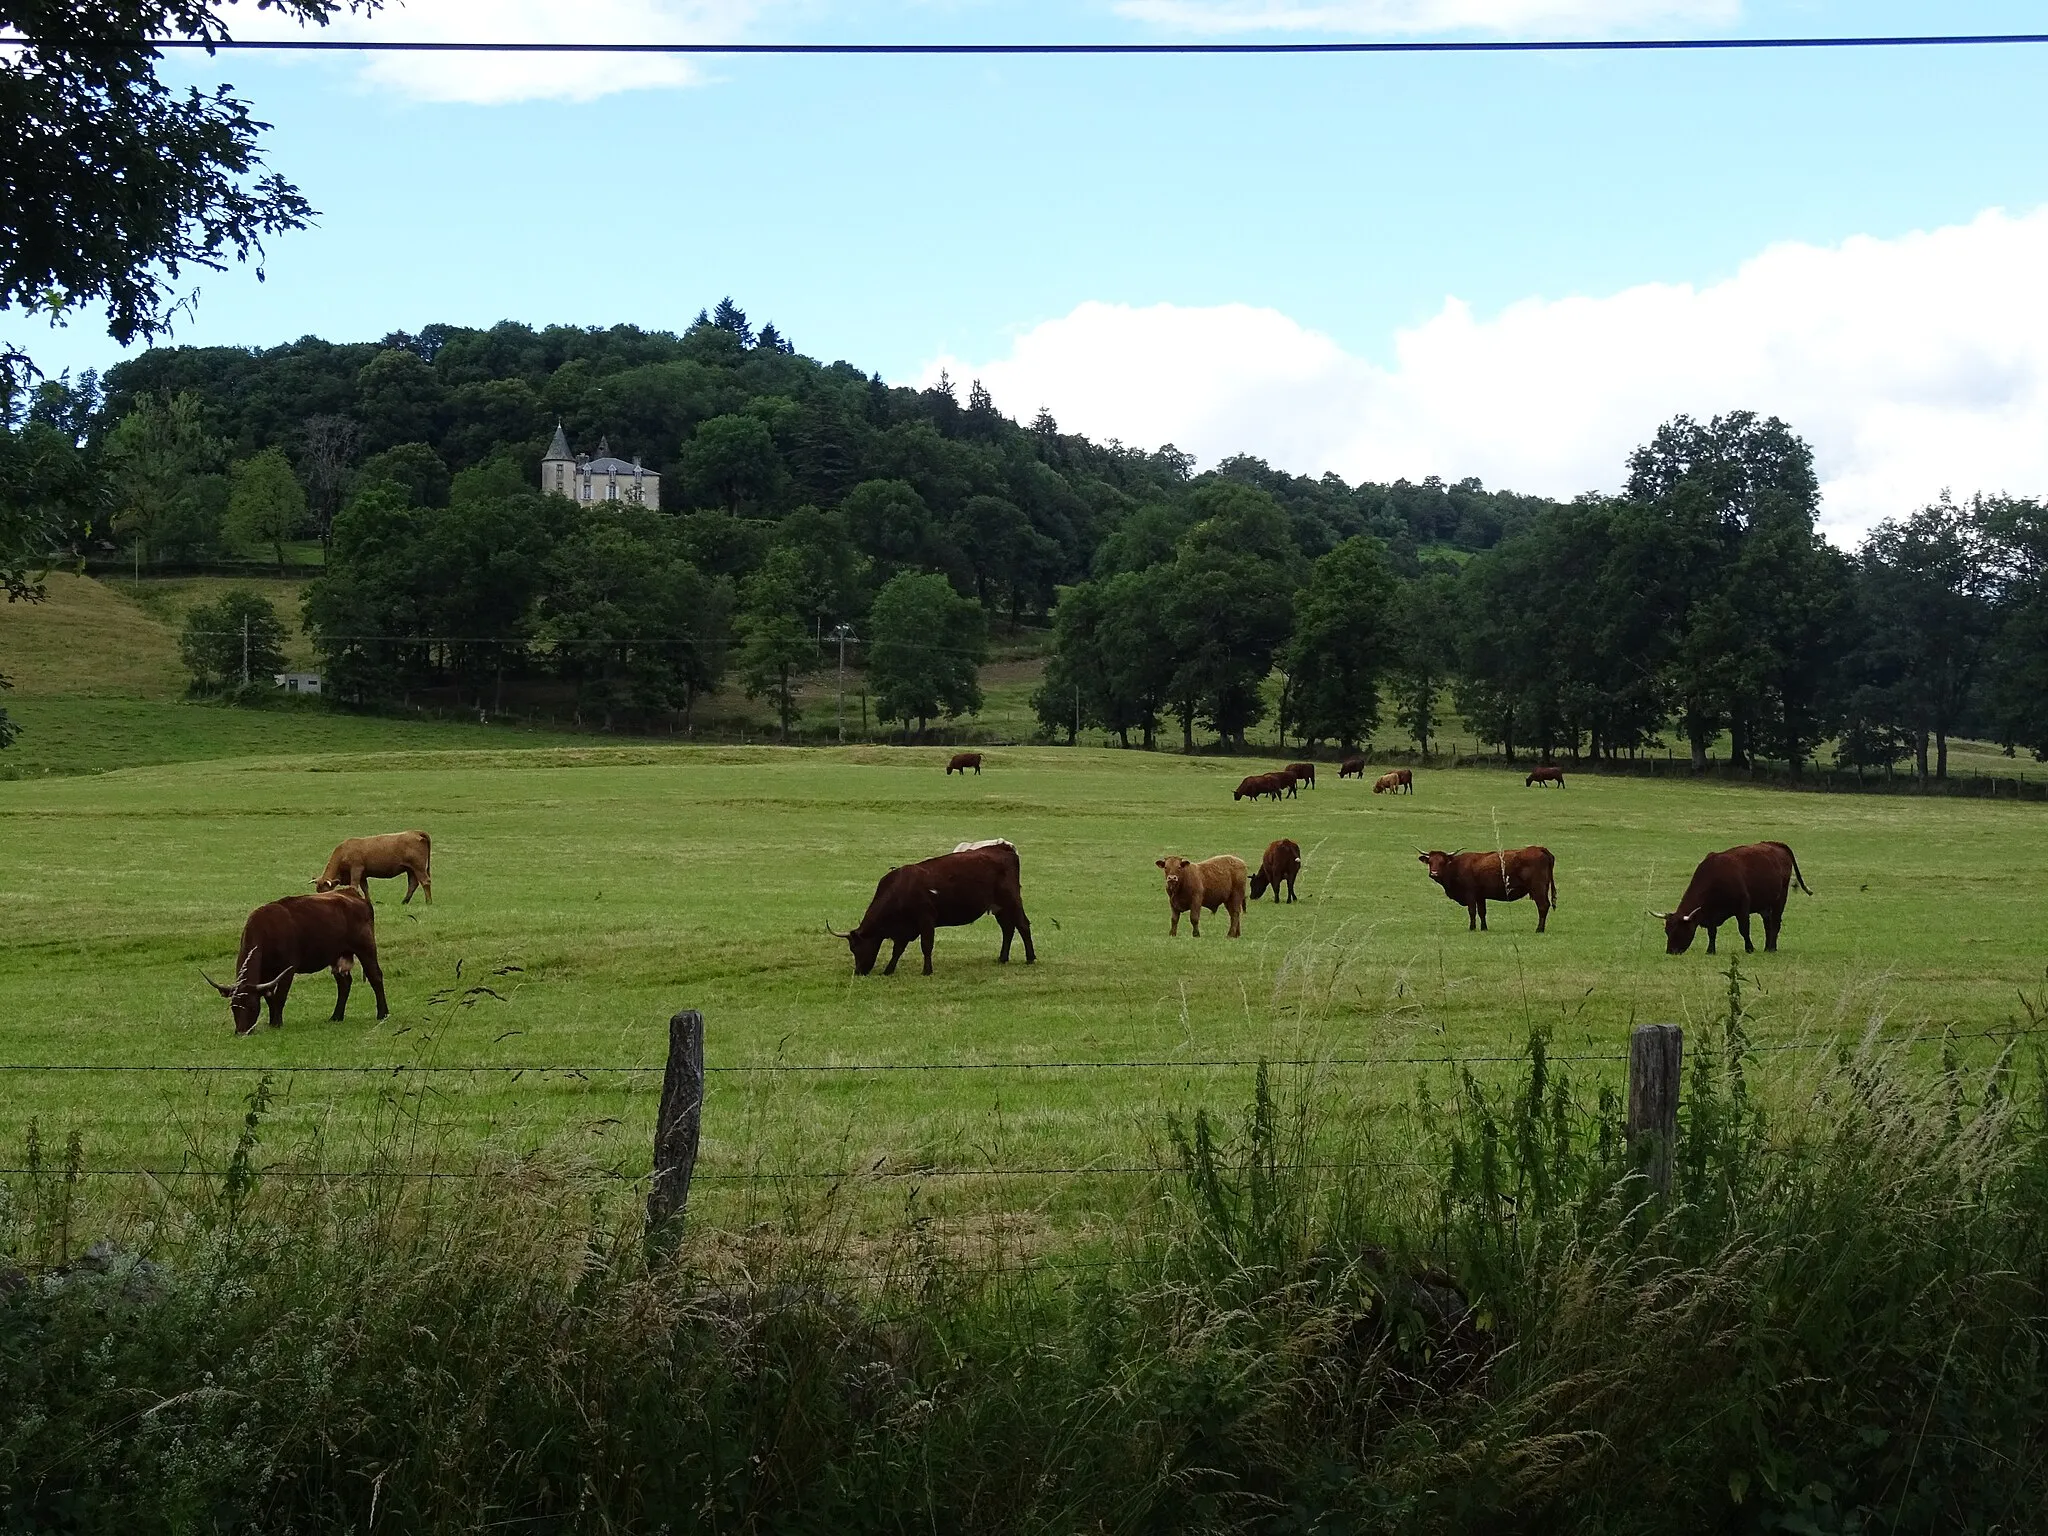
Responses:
[413,470]
[233,643]
[115,184]
[1344,642]
[776,649]
[925,648]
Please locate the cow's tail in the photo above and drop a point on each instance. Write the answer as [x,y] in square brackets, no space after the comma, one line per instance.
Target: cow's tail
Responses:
[1795,868]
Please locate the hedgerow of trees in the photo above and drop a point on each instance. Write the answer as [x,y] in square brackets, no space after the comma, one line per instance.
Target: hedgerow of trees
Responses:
[1698,610]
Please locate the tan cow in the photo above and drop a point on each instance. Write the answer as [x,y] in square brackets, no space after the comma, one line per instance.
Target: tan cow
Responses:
[360,860]
[1197,888]
[1401,780]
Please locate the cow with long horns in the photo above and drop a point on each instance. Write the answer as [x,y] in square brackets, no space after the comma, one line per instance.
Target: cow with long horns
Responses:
[1734,883]
[1509,874]
[913,901]
[333,931]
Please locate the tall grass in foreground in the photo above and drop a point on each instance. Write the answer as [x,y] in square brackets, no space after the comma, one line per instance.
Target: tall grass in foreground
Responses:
[1835,1323]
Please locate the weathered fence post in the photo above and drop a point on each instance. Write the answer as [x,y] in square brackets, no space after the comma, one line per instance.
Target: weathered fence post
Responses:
[676,1127]
[1656,1058]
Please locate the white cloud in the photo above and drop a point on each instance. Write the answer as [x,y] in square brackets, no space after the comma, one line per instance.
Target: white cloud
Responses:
[496,78]
[1911,365]
[1380,17]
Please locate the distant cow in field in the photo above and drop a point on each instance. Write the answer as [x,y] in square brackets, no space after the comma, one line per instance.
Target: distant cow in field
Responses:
[1351,768]
[962,761]
[296,937]
[1400,781]
[1197,888]
[1304,773]
[360,860]
[950,891]
[1756,878]
[1280,865]
[1474,879]
[1545,776]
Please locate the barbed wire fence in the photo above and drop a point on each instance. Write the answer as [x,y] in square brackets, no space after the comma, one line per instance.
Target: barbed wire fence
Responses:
[632,1075]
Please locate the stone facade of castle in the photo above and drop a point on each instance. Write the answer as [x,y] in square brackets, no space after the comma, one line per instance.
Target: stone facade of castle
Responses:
[583,477]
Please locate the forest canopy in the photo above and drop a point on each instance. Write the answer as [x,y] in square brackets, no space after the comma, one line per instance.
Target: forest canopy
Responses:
[1698,609]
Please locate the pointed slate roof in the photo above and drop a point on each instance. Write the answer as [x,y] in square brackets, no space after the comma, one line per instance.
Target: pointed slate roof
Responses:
[559,448]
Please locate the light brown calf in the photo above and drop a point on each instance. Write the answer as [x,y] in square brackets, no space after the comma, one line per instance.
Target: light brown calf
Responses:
[1401,779]
[360,860]
[1197,888]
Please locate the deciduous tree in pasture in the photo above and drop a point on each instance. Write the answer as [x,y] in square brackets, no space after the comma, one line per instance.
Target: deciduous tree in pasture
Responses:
[1426,650]
[1344,641]
[777,647]
[2014,543]
[233,642]
[163,464]
[925,648]
[1927,585]
[266,505]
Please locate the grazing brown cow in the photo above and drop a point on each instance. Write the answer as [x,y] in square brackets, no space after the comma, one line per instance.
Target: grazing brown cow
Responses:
[1304,773]
[1545,776]
[1281,864]
[1264,784]
[1757,878]
[1400,780]
[360,860]
[296,937]
[950,891]
[1197,888]
[1474,879]
[962,761]
[1282,783]
[1351,768]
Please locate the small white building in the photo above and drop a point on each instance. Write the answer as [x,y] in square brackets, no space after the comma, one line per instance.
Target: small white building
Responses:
[299,682]
[581,477]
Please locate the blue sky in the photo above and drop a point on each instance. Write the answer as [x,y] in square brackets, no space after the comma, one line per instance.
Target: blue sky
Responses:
[1129,240]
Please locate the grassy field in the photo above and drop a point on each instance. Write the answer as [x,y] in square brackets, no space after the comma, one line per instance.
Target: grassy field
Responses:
[625,883]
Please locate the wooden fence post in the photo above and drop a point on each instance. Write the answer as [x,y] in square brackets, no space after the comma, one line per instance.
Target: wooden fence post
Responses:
[676,1127]
[1656,1059]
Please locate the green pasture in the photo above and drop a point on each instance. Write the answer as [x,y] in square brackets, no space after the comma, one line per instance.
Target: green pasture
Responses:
[593,891]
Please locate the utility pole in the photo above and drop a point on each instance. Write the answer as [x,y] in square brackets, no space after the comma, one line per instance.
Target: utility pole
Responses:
[1077,714]
[842,634]
[245,651]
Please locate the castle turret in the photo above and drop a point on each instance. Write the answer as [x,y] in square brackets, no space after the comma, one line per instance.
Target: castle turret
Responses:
[558,465]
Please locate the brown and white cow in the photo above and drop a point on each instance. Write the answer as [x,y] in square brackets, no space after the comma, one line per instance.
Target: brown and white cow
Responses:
[1474,879]
[1281,865]
[1197,888]
[950,891]
[1734,883]
[359,860]
[962,761]
[297,936]
[1400,781]
[1545,776]
[1304,773]
[1351,768]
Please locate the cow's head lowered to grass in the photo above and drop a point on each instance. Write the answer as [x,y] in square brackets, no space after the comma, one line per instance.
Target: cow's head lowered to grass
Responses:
[245,997]
[865,947]
[1680,928]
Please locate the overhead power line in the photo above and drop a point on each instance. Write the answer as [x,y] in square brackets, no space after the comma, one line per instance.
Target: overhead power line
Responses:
[1544,45]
